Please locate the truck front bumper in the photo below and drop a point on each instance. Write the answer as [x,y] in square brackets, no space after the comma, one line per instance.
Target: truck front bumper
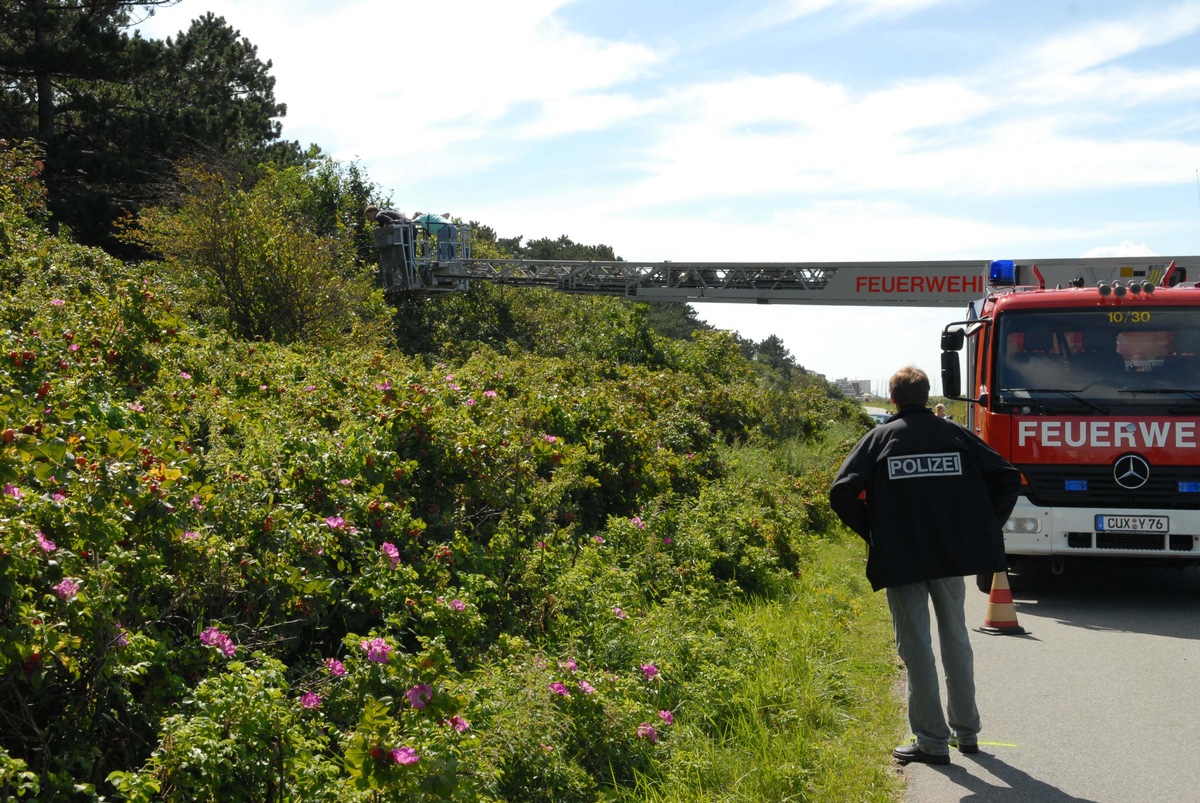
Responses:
[1169,534]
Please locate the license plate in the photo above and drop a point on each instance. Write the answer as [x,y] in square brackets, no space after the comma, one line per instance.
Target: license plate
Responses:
[1123,523]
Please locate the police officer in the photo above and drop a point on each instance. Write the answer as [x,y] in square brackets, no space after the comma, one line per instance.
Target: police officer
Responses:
[930,499]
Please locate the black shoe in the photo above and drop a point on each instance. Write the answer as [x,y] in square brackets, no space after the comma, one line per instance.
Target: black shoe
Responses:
[910,753]
[964,748]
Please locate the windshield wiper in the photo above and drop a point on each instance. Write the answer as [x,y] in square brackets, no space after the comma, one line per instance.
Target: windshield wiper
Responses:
[1193,394]
[1070,394]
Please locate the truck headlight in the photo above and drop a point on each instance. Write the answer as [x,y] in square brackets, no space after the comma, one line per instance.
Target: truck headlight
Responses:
[1020,524]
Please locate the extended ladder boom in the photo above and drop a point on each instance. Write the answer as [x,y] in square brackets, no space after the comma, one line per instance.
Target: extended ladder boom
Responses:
[952,283]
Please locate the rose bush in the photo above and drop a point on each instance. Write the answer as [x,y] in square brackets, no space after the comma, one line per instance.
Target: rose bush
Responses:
[236,570]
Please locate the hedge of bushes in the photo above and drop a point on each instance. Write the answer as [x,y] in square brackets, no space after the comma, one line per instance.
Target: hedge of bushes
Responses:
[246,571]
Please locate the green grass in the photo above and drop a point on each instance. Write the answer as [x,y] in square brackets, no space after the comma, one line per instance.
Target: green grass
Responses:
[816,714]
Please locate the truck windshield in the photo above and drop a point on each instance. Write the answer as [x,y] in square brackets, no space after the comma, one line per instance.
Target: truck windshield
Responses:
[1114,354]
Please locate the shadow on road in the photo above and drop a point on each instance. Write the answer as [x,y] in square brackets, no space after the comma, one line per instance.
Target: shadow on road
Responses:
[1019,787]
[1107,596]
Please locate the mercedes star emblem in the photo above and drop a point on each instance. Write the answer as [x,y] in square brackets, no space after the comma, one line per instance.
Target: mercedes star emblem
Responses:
[1131,471]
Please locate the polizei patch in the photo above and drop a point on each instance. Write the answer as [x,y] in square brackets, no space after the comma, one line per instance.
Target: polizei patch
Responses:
[924,465]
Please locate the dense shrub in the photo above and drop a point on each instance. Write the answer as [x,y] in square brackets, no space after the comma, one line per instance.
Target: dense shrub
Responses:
[237,570]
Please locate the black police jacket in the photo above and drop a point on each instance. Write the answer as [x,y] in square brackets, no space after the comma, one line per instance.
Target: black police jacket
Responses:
[929,498]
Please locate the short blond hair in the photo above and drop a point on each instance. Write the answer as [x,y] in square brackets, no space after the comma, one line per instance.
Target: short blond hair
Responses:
[909,387]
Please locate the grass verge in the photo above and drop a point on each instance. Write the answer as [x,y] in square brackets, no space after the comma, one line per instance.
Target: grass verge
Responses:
[814,715]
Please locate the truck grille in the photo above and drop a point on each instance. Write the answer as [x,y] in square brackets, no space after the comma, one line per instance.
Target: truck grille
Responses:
[1048,487]
[1130,541]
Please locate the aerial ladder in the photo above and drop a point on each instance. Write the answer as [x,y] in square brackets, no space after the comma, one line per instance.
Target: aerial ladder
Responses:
[410,260]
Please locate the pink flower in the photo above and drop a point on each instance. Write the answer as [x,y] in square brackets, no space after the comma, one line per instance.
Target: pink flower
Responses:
[67,589]
[599,539]
[122,639]
[549,439]
[667,717]
[215,638]
[73,347]
[650,671]
[490,394]
[335,523]
[459,724]
[419,695]
[191,535]
[45,543]
[57,302]
[637,522]
[647,731]
[389,549]
[470,402]
[620,614]
[458,605]
[184,375]
[335,667]
[137,407]
[13,491]
[196,503]
[377,650]
[310,699]
[405,755]
[569,665]
[586,687]
[667,540]
[559,688]
[449,377]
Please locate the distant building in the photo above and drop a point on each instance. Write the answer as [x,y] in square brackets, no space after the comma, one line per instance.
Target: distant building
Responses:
[854,388]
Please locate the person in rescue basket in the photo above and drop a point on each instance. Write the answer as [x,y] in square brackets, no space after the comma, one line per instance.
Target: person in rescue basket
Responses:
[930,499]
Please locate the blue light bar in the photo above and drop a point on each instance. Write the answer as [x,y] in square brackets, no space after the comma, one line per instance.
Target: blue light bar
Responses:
[1189,487]
[1076,485]
[1002,273]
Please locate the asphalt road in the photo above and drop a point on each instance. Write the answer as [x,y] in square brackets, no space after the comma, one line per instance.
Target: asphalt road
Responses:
[1099,702]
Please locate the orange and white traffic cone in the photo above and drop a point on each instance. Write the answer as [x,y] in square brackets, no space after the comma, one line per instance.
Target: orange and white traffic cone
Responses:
[1001,616]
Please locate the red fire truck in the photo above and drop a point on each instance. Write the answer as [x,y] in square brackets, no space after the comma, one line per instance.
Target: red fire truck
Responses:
[1092,390]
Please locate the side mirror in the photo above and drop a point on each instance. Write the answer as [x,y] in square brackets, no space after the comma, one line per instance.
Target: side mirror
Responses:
[952,340]
[951,372]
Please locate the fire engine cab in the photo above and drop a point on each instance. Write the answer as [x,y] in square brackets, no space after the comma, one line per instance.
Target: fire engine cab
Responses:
[1093,392]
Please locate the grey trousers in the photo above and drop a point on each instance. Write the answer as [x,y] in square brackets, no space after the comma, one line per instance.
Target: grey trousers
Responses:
[910,618]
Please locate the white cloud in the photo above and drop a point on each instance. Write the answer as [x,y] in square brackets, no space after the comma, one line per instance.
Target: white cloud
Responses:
[1125,248]
[1086,47]
[853,11]
[419,82]
[587,112]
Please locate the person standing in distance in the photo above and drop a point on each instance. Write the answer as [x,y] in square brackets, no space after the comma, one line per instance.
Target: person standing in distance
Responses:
[930,499]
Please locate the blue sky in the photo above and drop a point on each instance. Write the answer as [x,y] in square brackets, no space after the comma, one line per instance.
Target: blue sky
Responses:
[780,130]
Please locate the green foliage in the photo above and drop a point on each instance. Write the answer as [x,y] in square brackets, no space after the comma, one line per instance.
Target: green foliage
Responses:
[237,569]
[276,261]
[791,706]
